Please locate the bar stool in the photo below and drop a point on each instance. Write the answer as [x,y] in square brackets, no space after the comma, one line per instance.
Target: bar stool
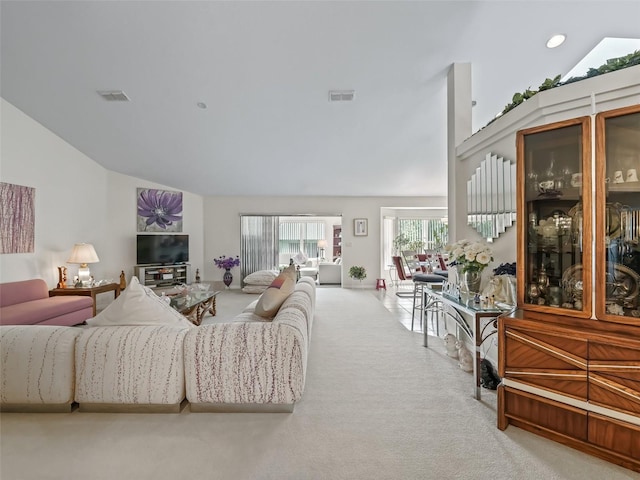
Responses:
[380,283]
[420,282]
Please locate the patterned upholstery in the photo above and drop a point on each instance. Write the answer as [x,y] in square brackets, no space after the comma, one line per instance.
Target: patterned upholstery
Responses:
[248,365]
[245,363]
[130,367]
[37,367]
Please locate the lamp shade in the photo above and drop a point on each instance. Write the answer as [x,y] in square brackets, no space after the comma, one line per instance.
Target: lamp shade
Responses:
[322,244]
[83,253]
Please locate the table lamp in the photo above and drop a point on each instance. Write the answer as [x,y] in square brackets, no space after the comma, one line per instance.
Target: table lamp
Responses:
[83,254]
[322,244]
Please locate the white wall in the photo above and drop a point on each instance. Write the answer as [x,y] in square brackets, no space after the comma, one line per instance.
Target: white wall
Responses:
[76,200]
[222,226]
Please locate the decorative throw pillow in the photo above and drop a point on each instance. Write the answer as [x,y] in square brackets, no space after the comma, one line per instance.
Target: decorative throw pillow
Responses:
[139,305]
[300,258]
[274,296]
[261,277]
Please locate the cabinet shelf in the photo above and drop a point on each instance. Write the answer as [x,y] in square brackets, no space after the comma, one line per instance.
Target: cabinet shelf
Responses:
[154,276]
[337,241]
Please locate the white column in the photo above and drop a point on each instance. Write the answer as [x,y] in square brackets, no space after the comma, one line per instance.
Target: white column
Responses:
[459,128]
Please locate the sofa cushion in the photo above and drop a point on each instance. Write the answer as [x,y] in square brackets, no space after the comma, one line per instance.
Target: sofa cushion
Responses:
[245,363]
[139,305]
[138,365]
[273,297]
[44,309]
[254,288]
[37,367]
[249,317]
[261,277]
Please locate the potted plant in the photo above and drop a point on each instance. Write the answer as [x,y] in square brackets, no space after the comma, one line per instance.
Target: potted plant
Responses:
[358,273]
[399,243]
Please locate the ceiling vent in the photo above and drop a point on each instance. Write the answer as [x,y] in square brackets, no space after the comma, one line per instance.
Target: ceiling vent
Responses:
[113,95]
[341,95]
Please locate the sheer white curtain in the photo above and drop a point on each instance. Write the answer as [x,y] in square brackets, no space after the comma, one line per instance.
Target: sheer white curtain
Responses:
[259,243]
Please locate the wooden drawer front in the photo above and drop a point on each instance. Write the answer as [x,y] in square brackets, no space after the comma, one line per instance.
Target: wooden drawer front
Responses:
[615,435]
[614,377]
[614,392]
[549,362]
[541,412]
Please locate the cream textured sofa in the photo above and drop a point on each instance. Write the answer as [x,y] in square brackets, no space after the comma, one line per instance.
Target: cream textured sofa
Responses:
[37,367]
[130,368]
[252,364]
[248,364]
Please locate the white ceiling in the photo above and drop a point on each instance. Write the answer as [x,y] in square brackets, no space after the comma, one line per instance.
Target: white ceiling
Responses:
[264,69]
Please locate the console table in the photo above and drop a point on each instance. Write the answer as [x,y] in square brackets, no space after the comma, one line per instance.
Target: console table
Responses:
[87,292]
[471,318]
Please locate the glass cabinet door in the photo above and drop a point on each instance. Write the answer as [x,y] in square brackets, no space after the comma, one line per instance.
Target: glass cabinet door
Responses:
[618,215]
[554,185]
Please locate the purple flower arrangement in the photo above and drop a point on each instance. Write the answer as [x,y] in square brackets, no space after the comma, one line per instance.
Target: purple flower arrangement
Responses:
[227,263]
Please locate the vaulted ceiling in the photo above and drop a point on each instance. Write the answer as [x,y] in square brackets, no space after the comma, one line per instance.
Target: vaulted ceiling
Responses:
[264,69]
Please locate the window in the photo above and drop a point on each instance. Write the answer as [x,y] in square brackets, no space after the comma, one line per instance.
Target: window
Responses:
[419,234]
[301,236]
[424,234]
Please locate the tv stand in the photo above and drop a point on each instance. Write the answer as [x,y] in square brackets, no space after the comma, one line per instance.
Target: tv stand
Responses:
[157,276]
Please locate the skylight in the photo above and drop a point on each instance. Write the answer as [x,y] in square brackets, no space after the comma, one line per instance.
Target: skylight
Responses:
[608,48]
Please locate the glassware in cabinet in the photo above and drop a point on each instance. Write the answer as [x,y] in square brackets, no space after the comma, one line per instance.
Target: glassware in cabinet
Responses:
[618,215]
[553,194]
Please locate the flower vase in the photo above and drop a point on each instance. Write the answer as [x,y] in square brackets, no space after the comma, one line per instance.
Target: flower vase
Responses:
[471,281]
[227,278]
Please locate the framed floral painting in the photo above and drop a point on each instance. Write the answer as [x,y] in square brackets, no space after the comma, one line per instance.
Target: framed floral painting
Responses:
[159,210]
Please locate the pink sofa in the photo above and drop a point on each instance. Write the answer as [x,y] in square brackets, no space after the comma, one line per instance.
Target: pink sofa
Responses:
[28,303]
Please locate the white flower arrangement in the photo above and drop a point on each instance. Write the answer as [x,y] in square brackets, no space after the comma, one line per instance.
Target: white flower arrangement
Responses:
[469,256]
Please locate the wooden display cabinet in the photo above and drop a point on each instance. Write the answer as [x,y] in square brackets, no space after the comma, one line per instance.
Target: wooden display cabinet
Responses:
[570,355]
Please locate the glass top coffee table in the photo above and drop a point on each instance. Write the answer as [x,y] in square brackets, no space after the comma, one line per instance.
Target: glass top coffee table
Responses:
[195,304]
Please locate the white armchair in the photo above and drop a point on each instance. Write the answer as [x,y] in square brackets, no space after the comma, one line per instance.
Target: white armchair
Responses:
[329,274]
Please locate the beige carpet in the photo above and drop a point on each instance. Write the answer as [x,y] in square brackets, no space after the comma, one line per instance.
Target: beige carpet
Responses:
[377,405]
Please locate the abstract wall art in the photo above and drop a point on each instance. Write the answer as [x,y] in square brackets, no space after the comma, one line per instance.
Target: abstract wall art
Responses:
[159,210]
[17,218]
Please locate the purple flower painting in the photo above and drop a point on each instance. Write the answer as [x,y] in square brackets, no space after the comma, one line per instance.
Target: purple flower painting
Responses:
[159,210]
[17,218]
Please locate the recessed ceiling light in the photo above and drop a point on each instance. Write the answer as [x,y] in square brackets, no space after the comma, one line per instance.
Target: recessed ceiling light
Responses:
[556,40]
[201,105]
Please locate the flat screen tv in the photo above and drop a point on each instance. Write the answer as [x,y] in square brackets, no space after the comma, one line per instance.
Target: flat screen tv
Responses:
[162,249]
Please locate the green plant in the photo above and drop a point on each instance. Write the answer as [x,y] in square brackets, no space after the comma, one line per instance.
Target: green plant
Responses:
[611,65]
[440,235]
[400,242]
[358,273]
[416,246]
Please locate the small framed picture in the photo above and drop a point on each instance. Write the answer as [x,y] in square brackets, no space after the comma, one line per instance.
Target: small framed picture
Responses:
[360,228]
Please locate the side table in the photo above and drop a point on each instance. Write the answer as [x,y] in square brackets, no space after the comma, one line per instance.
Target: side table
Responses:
[87,292]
